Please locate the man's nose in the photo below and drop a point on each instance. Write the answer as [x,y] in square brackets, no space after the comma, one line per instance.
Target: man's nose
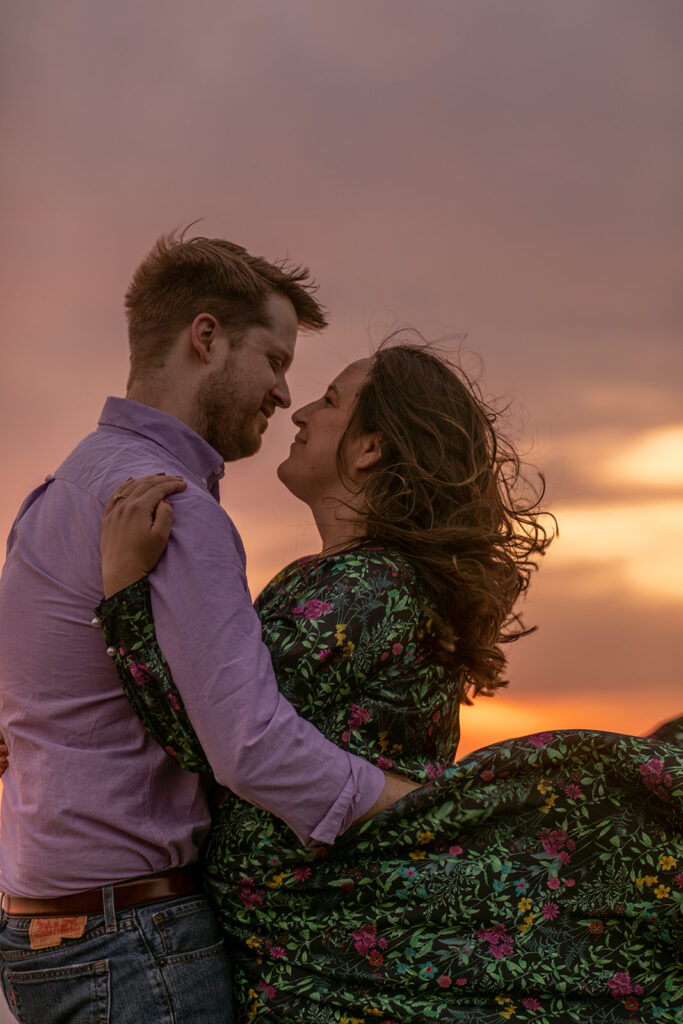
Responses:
[281,393]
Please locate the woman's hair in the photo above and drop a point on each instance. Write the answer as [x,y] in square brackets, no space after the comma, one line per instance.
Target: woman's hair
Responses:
[183,277]
[447,493]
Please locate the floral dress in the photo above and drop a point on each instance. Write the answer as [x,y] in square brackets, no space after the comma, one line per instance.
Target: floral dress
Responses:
[539,879]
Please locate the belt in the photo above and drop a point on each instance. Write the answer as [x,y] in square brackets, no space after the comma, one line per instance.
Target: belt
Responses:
[136,892]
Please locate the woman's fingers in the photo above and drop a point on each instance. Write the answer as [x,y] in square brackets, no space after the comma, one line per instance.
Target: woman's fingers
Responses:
[159,485]
[135,529]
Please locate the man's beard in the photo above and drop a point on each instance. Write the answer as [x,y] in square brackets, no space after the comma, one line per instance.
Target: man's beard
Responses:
[221,419]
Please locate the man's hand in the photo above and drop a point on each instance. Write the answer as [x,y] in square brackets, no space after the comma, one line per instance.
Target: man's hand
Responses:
[135,529]
[395,786]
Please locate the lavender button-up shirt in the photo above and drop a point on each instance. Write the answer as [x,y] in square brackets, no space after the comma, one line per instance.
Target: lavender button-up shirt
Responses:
[89,798]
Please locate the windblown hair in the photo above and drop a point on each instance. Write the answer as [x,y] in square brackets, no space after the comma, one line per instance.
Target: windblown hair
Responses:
[448,493]
[181,278]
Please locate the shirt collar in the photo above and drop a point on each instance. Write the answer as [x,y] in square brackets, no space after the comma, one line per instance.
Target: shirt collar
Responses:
[169,433]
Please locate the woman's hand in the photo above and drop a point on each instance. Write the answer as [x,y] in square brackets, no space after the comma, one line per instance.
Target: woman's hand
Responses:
[135,529]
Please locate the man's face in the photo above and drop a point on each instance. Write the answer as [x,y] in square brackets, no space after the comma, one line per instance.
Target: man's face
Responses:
[235,402]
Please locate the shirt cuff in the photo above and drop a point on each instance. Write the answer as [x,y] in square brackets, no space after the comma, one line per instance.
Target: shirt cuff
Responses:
[361,791]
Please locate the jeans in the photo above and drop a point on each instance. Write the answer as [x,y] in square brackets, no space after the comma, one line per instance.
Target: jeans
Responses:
[164,963]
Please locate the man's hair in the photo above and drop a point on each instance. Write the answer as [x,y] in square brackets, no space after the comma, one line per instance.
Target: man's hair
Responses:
[181,278]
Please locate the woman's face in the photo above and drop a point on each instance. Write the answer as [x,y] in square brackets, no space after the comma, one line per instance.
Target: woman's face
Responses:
[310,472]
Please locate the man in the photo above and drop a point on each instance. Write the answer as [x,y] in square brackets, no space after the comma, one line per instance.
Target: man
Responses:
[103,917]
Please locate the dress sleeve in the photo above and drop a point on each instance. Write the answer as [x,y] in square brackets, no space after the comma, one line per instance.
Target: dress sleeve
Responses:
[128,627]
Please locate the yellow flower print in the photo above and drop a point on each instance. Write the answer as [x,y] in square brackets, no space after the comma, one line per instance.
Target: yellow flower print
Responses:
[662,891]
[340,633]
[417,855]
[277,880]
[349,648]
[545,786]
[253,942]
[666,862]
[508,1012]
[524,903]
[503,999]
[383,742]
[651,879]
[549,803]
[425,837]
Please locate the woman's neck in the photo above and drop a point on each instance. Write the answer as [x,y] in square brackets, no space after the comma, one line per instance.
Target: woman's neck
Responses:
[338,524]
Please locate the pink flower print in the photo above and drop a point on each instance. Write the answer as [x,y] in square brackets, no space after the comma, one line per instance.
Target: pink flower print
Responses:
[531,1003]
[553,882]
[313,608]
[358,716]
[302,872]
[345,736]
[455,851]
[384,763]
[267,989]
[487,776]
[364,939]
[620,985]
[277,952]
[540,739]
[444,981]
[654,778]
[570,882]
[384,656]
[397,648]
[573,791]
[173,701]
[170,752]
[434,771]
[251,897]
[324,654]
[678,880]
[461,981]
[297,612]
[138,672]
[499,942]
[550,910]
[556,842]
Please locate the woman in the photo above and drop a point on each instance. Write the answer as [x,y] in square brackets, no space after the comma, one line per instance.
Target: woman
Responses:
[535,880]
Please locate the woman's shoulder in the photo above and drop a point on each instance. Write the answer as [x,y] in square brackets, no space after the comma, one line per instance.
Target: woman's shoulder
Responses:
[359,568]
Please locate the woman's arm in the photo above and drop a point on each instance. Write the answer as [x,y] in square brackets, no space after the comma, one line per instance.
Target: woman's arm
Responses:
[128,627]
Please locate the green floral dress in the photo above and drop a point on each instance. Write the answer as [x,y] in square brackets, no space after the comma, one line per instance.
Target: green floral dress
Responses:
[539,879]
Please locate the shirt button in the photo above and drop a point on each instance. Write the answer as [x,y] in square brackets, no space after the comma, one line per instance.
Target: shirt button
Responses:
[95,622]
[204,480]
[49,478]
[111,651]
[219,469]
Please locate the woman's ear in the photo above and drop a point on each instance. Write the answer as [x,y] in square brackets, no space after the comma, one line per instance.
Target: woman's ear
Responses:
[369,451]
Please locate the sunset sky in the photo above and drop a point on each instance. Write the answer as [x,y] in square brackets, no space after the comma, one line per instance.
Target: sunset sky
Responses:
[504,175]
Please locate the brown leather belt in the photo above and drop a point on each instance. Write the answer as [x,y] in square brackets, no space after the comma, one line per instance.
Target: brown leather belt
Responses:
[136,892]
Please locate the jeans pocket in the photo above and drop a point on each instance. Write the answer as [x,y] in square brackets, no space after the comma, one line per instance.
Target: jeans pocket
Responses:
[79,994]
[188,929]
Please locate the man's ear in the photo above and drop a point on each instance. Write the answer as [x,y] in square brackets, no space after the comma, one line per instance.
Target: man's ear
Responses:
[203,332]
[369,451]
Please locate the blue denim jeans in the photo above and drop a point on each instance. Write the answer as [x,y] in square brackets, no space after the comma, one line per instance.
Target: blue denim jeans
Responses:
[164,963]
